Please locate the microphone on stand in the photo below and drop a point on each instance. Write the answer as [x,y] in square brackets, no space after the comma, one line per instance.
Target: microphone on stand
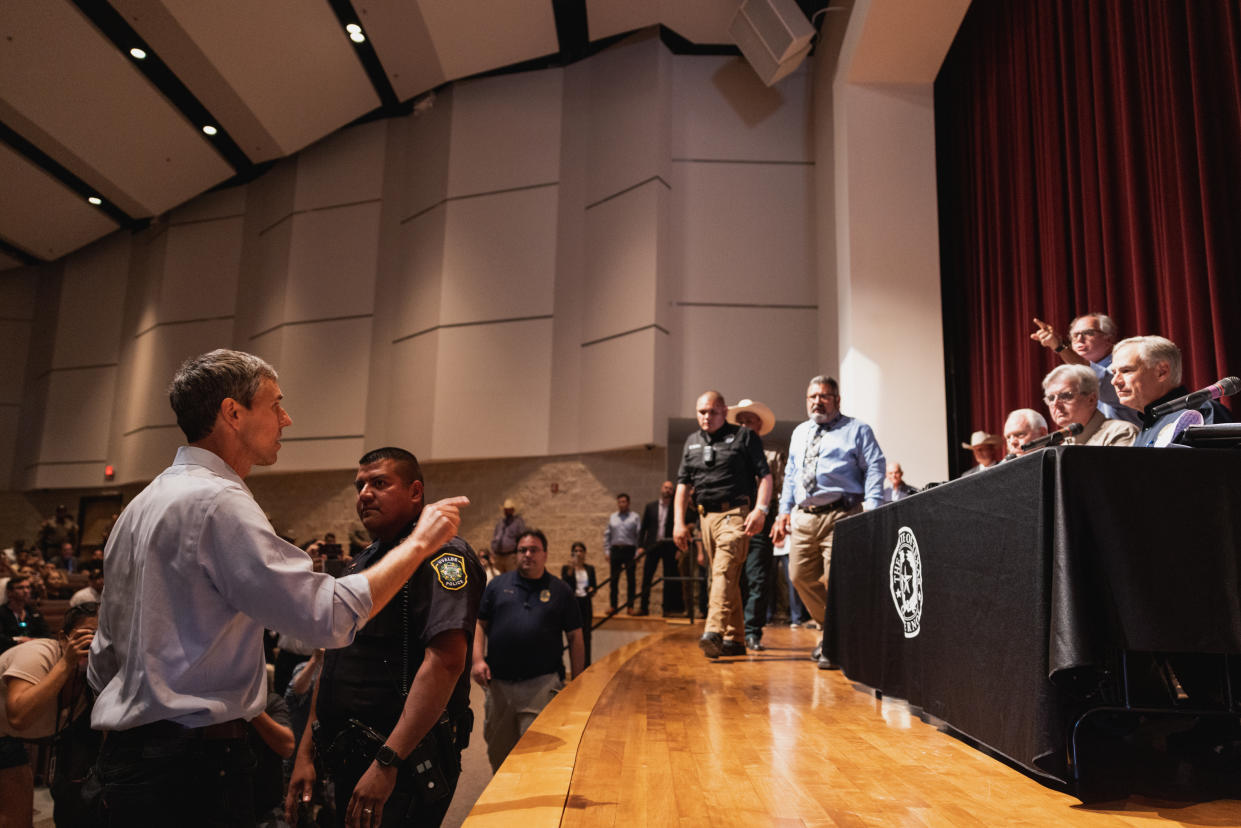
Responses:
[1054,438]
[1224,388]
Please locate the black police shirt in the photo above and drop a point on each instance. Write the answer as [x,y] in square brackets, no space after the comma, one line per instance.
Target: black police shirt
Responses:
[364,680]
[525,618]
[722,466]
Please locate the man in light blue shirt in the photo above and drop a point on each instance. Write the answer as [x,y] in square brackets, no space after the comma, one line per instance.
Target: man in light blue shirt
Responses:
[834,467]
[195,573]
[620,545]
[1089,342]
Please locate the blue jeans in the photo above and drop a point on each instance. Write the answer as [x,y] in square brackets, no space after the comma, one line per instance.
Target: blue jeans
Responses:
[160,780]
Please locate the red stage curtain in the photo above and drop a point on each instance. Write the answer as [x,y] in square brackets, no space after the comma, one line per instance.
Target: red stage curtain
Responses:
[1089,158]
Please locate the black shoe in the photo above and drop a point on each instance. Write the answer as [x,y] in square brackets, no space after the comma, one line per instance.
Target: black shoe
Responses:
[754,643]
[732,648]
[817,653]
[826,663]
[712,644]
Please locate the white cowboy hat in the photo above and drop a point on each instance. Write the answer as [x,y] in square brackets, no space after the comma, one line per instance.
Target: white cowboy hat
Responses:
[766,418]
[982,438]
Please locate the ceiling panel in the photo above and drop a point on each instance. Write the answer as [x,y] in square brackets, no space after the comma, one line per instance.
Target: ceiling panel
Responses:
[403,42]
[289,62]
[473,36]
[109,126]
[42,217]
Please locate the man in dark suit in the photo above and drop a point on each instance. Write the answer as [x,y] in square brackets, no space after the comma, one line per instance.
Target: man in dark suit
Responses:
[655,537]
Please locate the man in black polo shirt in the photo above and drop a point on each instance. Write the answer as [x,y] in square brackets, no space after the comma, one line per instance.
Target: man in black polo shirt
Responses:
[404,675]
[720,462]
[517,647]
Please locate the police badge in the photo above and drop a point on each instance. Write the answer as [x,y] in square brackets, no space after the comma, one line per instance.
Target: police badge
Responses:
[545,596]
[450,570]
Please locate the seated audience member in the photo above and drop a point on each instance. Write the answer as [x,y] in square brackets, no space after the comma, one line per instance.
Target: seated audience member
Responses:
[92,592]
[1090,343]
[56,582]
[43,693]
[1072,395]
[20,621]
[987,449]
[67,559]
[1022,426]
[895,487]
[1146,373]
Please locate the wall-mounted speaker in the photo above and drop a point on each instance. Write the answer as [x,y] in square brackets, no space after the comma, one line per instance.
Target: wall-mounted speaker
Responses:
[773,35]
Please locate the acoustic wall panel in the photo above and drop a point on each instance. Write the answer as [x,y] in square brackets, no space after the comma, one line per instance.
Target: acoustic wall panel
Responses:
[492,387]
[499,256]
[505,133]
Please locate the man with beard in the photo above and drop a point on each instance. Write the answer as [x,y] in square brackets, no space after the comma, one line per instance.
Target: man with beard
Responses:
[835,467]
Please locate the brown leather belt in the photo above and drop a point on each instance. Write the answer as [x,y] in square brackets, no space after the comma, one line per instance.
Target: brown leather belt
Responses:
[234,729]
[844,502]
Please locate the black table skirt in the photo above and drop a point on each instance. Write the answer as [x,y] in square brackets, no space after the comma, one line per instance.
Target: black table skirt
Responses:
[1034,575]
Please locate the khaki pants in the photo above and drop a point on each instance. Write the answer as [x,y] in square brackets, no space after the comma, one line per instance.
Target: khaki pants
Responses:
[810,555]
[725,544]
[511,707]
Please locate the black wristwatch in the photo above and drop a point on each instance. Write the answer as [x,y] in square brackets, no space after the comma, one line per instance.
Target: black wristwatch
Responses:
[387,757]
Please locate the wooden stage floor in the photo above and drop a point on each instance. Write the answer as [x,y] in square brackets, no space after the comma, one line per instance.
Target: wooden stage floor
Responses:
[657,734]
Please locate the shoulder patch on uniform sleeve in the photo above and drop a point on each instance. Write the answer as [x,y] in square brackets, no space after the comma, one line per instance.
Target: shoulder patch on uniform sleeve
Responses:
[450,570]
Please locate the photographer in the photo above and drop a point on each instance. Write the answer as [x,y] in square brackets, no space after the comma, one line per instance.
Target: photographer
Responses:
[43,694]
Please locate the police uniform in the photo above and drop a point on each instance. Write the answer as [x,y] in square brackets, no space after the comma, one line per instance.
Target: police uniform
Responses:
[722,468]
[369,679]
[525,619]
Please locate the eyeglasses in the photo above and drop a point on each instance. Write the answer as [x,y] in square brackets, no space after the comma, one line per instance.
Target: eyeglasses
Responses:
[822,396]
[1083,333]
[533,550]
[1063,396]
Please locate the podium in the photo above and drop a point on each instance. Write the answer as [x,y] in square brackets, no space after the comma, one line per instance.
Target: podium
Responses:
[1001,603]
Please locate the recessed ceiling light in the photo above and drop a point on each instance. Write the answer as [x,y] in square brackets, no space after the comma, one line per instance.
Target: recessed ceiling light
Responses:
[353,28]
[358,37]
[96,200]
[210,130]
[137,54]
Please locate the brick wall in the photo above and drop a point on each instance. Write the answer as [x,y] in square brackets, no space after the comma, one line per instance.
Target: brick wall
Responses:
[569,497]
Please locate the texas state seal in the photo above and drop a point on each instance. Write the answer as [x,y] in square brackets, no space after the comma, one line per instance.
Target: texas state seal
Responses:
[906,581]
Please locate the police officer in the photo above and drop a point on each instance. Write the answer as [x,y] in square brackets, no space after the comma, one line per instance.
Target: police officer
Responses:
[720,462]
[403,678]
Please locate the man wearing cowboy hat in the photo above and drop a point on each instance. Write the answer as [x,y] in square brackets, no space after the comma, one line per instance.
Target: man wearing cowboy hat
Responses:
[509,527]
[756,577]
[835,466]
[986,449]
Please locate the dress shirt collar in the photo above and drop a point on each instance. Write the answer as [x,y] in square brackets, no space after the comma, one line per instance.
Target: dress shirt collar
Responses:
[194,456]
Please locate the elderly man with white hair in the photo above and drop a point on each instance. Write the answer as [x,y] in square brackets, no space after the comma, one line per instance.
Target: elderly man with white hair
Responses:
[1072,396]
[1146,372]
[1022,426]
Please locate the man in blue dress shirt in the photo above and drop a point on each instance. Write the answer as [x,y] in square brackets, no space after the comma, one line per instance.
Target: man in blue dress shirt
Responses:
[195,573]
[835,467]
[1090,342]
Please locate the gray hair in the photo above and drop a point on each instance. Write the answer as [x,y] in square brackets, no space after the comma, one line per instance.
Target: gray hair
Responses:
[202,383]
[1083,377]
[1106,325]
[1033,418]
[822,379]
[1155,349]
